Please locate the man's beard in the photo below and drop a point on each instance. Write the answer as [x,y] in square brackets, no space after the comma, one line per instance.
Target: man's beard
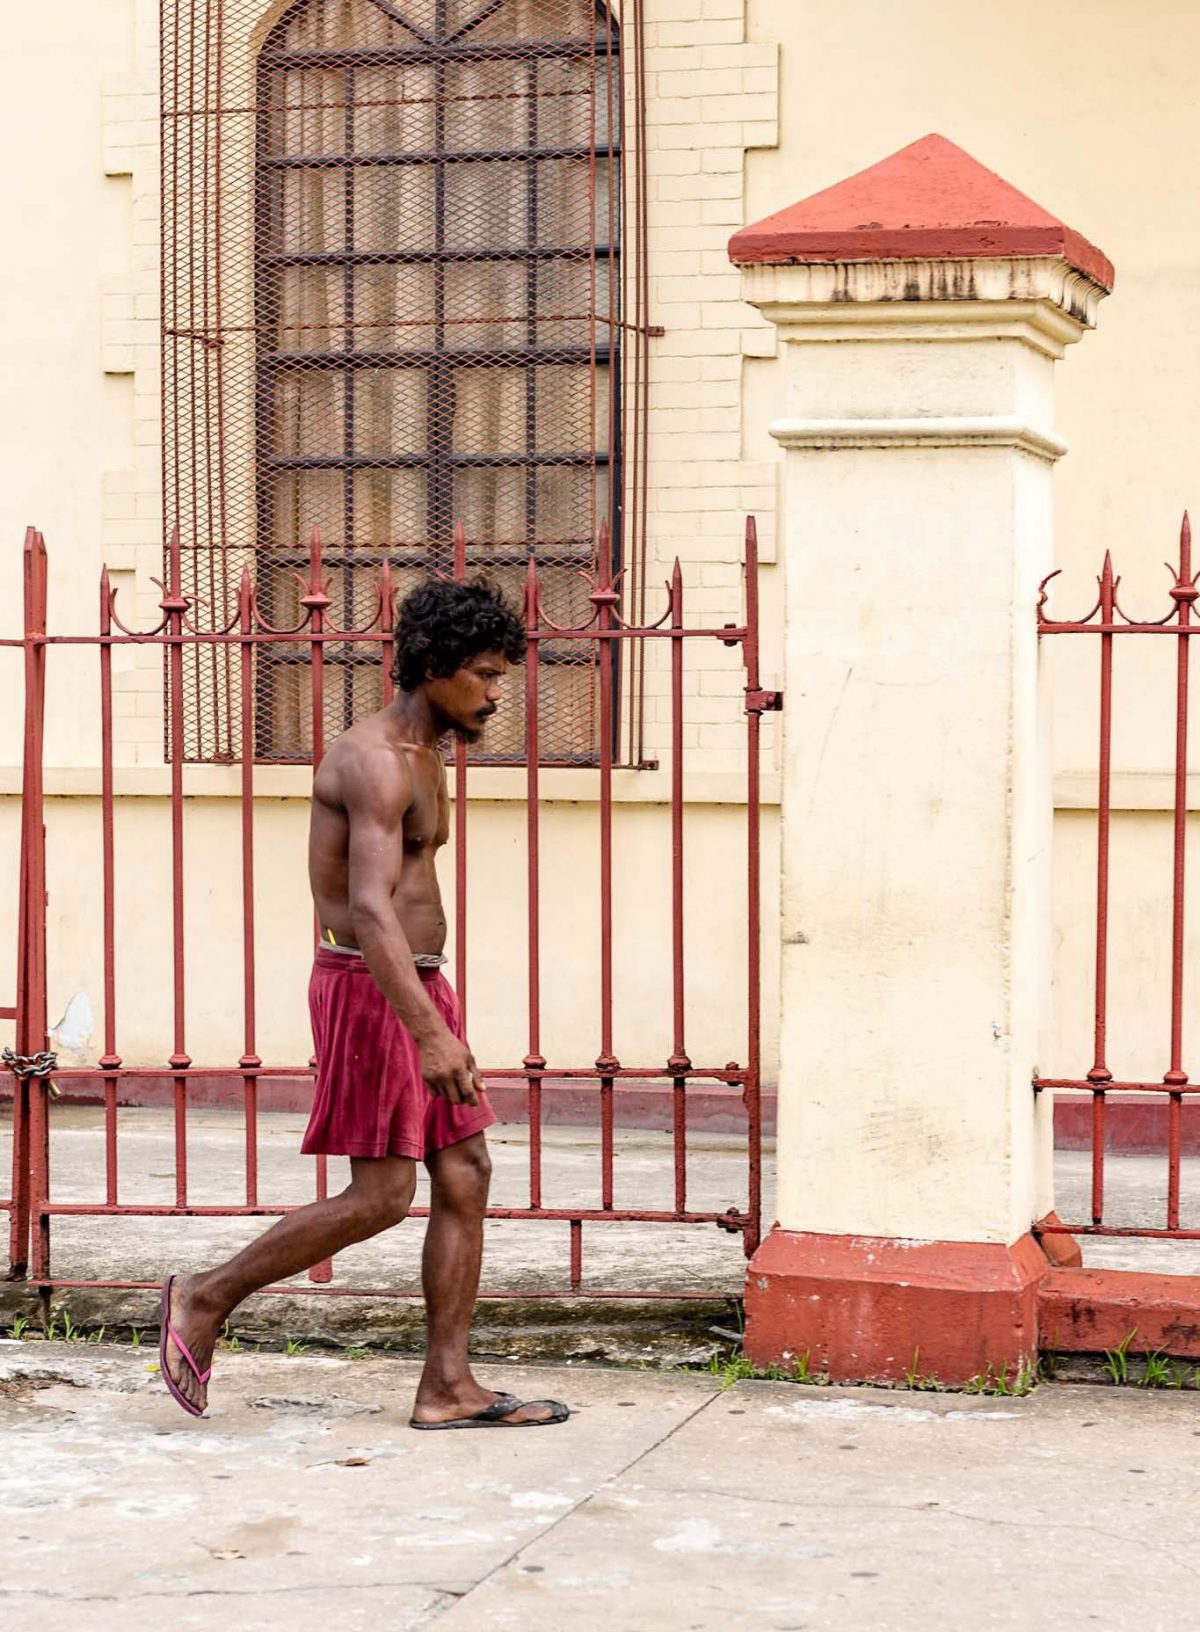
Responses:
[464,733]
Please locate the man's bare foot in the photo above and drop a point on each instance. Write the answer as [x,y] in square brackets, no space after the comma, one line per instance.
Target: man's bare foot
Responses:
[197,1326]
[469,1399]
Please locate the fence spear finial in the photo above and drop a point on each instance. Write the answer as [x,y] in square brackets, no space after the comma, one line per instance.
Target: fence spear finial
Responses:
[1108,589]
[175,551]
[386,596]
[174,602]
[531,592]
[246,597]
[316,602]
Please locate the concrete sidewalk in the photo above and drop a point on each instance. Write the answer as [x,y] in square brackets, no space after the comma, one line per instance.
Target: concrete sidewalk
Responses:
[666,1505]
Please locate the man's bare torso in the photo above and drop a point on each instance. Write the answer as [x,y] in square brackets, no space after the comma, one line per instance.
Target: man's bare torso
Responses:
[378,748]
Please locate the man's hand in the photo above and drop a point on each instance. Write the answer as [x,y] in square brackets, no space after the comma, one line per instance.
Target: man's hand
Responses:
[449,1070]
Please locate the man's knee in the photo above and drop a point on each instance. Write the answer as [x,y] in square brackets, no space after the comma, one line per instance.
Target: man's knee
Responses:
[382,1203]
[462,1173]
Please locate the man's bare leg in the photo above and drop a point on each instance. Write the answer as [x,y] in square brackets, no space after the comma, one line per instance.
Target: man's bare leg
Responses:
[379,1195]
[450,1267]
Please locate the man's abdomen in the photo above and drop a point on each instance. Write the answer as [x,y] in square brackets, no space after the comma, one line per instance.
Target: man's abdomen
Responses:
[417,901]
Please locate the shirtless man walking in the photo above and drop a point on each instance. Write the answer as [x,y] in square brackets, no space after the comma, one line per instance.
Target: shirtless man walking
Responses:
[396,1082]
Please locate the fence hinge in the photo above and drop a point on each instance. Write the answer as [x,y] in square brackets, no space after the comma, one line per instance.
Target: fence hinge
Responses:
[763,702]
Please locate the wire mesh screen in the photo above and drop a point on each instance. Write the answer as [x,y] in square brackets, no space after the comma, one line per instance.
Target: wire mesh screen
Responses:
[392,302]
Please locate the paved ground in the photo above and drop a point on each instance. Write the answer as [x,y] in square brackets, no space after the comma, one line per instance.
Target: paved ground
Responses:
[665,1505]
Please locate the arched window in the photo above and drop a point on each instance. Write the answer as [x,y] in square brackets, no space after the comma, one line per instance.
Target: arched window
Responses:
[435,334]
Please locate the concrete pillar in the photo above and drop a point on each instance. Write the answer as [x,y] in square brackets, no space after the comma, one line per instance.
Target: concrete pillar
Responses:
[922,306]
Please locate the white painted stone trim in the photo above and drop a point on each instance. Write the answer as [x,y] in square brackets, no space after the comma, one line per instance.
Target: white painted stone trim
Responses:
[489,784]
[1152,791]
[927,287]
[1044,328]
[934,431]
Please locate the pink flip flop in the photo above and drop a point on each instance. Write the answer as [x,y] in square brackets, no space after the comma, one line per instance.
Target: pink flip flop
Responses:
[166,1330]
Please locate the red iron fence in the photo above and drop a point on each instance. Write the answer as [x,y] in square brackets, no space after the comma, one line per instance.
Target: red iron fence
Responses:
[248,636]
[1106,622]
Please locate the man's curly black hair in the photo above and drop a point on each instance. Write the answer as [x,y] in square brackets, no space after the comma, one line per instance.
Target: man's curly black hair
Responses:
[442,625]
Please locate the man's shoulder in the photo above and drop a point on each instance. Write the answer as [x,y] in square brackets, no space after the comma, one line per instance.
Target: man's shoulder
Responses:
[363,760]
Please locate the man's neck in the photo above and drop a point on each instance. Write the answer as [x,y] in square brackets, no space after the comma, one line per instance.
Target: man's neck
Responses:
[414,719]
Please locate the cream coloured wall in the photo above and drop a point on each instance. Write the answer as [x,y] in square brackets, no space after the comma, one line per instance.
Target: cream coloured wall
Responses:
[701,73]
[1094,115]
[714,915]
[101,154]
[65,421]
[1096,120]
[1098,124]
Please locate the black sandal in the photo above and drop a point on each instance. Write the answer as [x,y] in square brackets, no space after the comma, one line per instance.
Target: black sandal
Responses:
[492,1416]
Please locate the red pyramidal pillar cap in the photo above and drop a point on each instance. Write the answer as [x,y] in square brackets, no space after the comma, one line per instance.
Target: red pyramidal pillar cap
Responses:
[929,201]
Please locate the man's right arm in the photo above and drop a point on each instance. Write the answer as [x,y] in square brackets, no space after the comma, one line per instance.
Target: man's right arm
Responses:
[376,791]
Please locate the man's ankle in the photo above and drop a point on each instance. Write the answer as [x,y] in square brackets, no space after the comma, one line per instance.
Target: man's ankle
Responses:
[204,1295]
[445,1381]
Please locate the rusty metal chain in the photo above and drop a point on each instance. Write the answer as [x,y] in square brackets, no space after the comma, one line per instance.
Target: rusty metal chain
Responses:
[31,1065]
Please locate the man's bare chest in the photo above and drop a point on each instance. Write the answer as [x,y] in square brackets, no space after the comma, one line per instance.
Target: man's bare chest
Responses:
[427,820]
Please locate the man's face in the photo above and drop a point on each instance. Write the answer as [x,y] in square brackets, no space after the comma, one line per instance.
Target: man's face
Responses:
[465,700]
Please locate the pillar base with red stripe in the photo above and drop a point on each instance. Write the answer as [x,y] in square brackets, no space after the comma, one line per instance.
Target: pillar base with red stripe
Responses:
[865,1309]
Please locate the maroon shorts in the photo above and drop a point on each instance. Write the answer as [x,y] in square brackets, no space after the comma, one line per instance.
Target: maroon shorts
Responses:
[370,1098]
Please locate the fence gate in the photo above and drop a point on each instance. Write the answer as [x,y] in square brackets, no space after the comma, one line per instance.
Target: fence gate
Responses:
[43,1089]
